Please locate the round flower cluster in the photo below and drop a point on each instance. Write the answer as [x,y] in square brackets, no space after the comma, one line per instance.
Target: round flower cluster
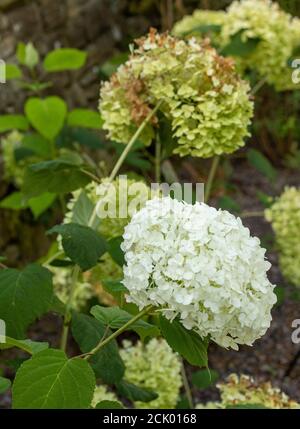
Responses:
[277,34]
[244,390]
[101,393]
[202,265]
[203,98]
[208,22]
[284,215]
[156,367]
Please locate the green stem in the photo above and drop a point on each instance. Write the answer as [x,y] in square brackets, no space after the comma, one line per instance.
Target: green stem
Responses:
[132,141]
[67,315]
[186,386]
[157,158]
[211,176]
[258,86]
[119,331]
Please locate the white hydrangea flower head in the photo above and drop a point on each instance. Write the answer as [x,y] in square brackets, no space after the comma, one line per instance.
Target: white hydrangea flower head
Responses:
[156,367]
[201,265]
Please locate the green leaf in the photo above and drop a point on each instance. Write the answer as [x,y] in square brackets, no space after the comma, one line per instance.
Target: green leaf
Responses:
[50,380]
[187,343]
[47,115]
[115,251]
[12,71]
[82,211]
[38,144]
[262,164]
[40,204]
[4,385]
[84,118]
[57,176]
[14,201]
[109,405]
[280,294]
[228,203]
[111,66]
[27,55]
[28,346]
[24,296]
[204,378]
[64,59]
[82,244]
[237,47]
[113,286]
[135,393]
[106,363]
[13,122]
[115,318]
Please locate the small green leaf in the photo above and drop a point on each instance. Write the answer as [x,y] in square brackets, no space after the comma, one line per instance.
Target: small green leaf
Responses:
[187,343]
[84,118]
[280,294]
[82,244]
[27,55]
[47,115]
[115,251]
[237,47]
[28,346]
[262,164]
[135,393]
[24,296]
[50,380]
[204,378]
[4,385]
[40,204]
[14,201]
[12,71]
[111,66]
[115,318]
[113,286]
[228,203]
[106,363]
[13,122]
[38,144]
[64,59]
[109,405]
[82,211]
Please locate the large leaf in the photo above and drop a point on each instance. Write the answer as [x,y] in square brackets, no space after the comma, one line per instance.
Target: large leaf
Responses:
[50,380]
[262,164]
[237,47]
[13,122]
[24,296]
[135,393]
[57,176]
[4,385]
[187,343]
[82,244]
[47,116]
[84,118]
[64,59]
[115,318]
[28,346]
[107,363]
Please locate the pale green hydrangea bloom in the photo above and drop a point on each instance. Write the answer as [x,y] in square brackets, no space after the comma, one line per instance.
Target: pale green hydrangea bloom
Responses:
[278,34]
[156,367]
[101,393]
[243,390]
[204,100]
[201,19]
[284,215]
[12,169]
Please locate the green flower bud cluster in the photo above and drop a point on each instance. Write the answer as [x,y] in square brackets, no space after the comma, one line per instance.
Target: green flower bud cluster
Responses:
[156,367]
[284,216]
[244,390]
[276,32]
[203,98]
